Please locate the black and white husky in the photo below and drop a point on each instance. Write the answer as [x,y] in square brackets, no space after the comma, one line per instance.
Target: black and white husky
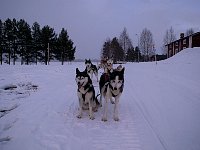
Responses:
[86,94]
[111,86]
[91,68]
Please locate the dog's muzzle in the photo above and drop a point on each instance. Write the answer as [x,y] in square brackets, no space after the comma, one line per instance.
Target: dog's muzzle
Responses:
[79,85]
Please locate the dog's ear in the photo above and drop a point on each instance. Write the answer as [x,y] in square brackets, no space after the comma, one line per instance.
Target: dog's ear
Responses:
[77,71]
[122,71]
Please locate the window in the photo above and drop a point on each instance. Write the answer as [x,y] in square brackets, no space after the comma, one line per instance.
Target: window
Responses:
[184,41]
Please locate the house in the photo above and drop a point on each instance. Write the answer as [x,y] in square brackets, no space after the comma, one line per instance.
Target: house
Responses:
[190,41]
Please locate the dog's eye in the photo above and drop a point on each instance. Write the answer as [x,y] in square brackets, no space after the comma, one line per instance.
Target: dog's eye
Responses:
[120,81]
[113,81]
[82,78]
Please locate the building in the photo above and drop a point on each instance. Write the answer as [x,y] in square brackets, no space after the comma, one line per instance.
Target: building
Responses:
[190,41]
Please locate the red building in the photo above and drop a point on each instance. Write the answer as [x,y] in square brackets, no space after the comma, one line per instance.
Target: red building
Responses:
[190,41]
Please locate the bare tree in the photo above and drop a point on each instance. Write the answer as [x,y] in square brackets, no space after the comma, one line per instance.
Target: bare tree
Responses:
[189,32]
[124,41]
[146,44]
[168,38]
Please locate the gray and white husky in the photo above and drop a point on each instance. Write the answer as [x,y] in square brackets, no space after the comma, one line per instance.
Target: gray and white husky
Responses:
[111,86]
[91,69]
[86,94]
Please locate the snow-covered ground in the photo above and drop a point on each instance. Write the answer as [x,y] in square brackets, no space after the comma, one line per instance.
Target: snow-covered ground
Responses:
[159,109]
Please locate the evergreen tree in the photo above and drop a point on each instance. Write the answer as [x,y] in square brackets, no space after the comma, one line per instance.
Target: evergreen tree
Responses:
[48,38]
[15,41]
[116,50]
[25,41]
[63,42]
[130,56]
[37,43]
[1,41]
[137,54]
[71,50]
[106,52]
[66,50]
[8,38]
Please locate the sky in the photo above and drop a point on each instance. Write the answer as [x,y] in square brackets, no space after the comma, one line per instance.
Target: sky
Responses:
[90,22]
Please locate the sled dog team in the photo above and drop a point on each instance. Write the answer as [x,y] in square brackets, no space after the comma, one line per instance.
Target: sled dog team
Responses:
[111,86]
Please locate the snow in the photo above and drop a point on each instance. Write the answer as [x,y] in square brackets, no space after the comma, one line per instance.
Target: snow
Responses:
[159,108]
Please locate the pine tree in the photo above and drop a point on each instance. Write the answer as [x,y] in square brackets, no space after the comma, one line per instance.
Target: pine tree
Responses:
[48,38]
[36,40]
[15,41]
[106,52]
[25,41]
[130,55]
[8,36]
[117,51]
[1,41]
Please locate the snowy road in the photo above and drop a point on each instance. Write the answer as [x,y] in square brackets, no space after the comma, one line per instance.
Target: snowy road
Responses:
[159,109]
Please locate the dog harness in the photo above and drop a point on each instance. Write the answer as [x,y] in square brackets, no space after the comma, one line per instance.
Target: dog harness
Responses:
[113,95]
[87,88]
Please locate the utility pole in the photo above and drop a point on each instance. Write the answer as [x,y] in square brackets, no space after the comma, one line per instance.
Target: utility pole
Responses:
[155,54]
[48,53]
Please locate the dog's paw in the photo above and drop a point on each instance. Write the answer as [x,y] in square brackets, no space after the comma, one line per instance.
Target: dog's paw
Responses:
[112,101]
[79,116]
[116,118]
[92,117]
[95,109]
[104,119]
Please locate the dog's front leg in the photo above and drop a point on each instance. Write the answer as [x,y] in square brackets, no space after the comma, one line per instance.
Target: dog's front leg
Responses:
[116,118]
[101,94]
[104,118]
[80,108]
[97,76]
[90,111]
[91,74]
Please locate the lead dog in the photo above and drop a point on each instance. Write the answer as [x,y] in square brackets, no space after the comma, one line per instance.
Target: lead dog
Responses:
[86,94]
[111,86]
[91,69]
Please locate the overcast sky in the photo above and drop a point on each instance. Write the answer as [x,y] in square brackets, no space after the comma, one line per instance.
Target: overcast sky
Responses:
[90,22]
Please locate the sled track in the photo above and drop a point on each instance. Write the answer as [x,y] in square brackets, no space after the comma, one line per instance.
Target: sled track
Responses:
[105,135]
[144,117]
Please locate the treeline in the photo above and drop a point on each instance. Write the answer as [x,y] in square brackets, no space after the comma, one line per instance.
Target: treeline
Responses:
[32,44]
[122,49]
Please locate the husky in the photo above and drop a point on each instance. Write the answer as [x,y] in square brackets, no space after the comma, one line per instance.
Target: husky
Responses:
[111,86]
[106,64]
[91,69]
[86,94]
[109,66]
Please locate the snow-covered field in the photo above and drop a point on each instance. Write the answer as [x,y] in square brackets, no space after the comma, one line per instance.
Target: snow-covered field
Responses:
[159,109]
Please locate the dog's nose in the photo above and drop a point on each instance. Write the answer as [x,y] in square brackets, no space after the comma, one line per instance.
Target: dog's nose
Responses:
[115,88]
[78,83]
